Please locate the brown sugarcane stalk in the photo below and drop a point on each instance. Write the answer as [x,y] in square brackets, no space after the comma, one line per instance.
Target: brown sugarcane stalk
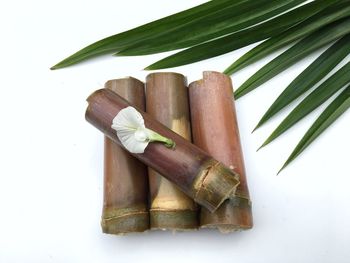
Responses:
[196,173]
[125,202]
[215,130]
[167,102]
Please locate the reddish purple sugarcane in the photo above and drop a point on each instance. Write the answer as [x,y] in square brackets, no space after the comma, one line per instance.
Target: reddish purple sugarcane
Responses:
[196,173]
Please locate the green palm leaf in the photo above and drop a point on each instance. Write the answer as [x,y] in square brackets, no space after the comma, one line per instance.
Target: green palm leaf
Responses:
[238,19]
[294,54]
[328,116]
[212,15]
[220,26]
[305,28]
[312,101]
[153,29]
[242,38]
[309,77]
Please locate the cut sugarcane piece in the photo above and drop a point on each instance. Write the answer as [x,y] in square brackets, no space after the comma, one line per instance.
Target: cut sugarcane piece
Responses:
[195,172]
[215,130]
[125,202]
[167,102]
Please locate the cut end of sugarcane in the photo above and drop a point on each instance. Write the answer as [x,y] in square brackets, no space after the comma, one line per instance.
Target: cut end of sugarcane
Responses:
[235,214]
[121,221]
[214,184]
[174,220]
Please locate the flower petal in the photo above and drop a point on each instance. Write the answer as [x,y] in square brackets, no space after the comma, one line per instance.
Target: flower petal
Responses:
[141,135]
[126,123]
[128,118]
[131,144]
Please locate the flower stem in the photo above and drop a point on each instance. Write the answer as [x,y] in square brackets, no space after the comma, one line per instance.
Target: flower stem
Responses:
[156,137]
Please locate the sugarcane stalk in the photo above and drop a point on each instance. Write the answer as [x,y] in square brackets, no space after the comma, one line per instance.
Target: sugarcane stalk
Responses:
[167,102]
[125,200]
[215,130]
[196,173]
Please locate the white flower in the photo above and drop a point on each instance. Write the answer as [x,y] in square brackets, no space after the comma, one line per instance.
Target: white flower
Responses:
[132,132]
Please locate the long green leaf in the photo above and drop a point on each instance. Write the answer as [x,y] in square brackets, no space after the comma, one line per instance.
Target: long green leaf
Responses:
[309,77]
[238,19]
[153,29]
[312,101]
[273,44]
[242,38]
[294,54]
[328,116]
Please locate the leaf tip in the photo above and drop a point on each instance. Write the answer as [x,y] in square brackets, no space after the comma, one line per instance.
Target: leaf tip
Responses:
[119,54]
[59,65]
[261,146]
[54,67]
[227,72]
[237,95]
[256,127]
[150,67]
[281,169]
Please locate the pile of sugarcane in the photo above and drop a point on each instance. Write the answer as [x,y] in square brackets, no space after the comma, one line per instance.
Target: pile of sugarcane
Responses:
[192,176]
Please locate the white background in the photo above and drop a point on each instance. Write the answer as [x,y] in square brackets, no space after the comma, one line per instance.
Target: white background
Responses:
[51,158]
